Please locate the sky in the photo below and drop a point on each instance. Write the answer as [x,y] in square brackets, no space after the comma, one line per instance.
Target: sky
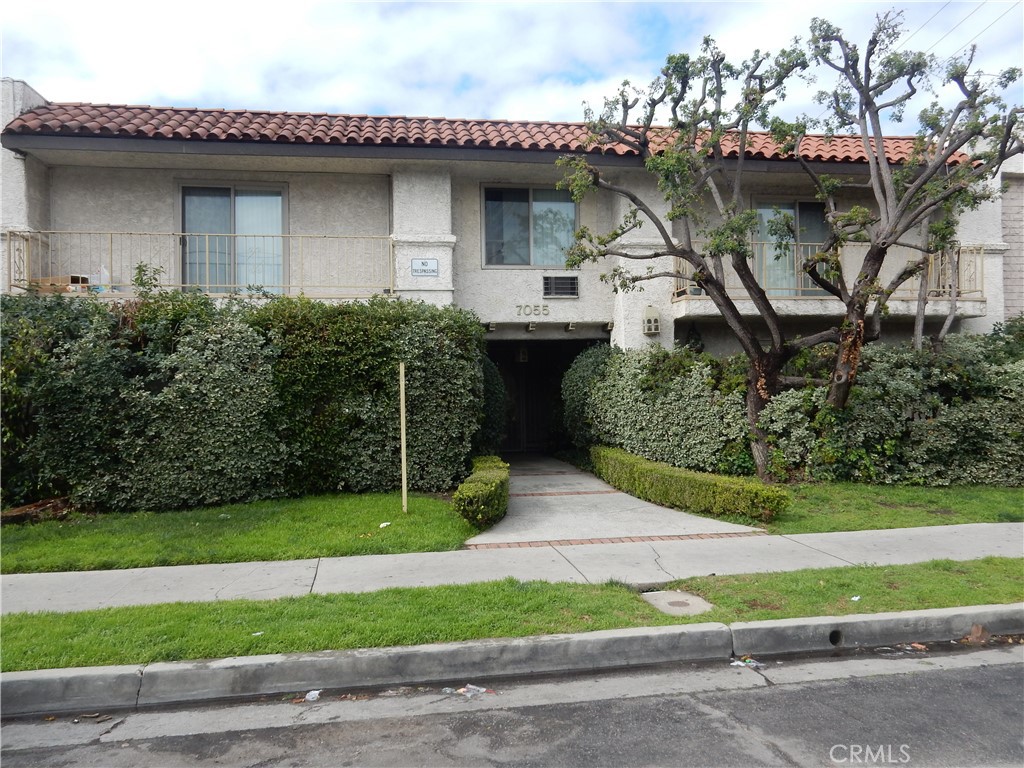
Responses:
[515,61]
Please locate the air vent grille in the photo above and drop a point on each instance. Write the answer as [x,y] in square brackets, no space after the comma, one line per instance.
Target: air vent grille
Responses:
[562,287]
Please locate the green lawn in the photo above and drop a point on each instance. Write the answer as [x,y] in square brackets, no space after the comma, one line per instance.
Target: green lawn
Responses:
[282,529]
[506,608]
[349,524]
[827,507]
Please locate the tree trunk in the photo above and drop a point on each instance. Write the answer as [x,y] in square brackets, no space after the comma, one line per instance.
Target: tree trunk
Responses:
[954,292]
[762,383]
[851,342]
[851,332]
[922,304]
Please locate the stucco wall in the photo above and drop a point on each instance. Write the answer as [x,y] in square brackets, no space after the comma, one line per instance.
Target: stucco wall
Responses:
[514,295]
[86,199]
[1013,236]
[147,200]
[24,181]
[422,222]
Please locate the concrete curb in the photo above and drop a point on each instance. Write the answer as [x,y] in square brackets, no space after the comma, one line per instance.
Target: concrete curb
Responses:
[129,687]
[827,633]
[45,691]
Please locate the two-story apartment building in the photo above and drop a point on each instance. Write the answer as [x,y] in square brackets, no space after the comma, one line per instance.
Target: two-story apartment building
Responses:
[341,207]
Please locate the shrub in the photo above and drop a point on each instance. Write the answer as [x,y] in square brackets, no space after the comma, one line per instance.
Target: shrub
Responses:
[33,326]
[659,405]
[696,492]
[170,400]
[1006,342]
[491,432]
[577,393]
[170,458]
[124,430]
[80,415]
[482,499]
[926,417]
[337,380]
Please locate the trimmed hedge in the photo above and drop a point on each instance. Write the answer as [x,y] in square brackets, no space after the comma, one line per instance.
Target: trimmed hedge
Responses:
[683,489]
[171,400]
[483,498]
[336,377]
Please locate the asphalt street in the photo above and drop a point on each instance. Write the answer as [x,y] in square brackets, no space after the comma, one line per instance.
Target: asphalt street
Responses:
[921,709]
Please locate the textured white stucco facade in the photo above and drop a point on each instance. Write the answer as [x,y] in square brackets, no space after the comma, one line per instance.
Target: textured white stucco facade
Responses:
[431,212]
[1013,236]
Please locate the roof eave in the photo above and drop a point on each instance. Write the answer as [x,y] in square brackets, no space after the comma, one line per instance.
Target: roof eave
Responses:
[28,143]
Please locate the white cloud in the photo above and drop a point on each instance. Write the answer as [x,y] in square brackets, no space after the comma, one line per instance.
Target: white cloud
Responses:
[497,60]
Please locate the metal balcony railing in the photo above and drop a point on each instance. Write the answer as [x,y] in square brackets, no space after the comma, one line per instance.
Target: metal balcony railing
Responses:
[323,266]
[784,278]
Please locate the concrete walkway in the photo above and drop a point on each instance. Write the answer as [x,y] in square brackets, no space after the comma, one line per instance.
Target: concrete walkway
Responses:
[551,501]
[562,525]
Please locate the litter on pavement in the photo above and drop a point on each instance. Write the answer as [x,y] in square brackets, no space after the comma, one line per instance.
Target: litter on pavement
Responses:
[469,691]
[748,662]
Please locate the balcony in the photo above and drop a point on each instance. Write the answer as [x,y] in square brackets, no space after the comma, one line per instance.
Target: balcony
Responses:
[318,266]
[793,293]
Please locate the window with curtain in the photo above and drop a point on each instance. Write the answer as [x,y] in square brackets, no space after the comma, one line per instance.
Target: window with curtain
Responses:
[232,238]
[780,271]
[527,226]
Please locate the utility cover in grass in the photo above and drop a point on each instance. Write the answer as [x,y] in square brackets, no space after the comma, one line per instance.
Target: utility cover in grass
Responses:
[677,603]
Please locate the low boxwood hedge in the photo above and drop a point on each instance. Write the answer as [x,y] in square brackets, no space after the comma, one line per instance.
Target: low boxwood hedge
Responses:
[696,492]
[483,498]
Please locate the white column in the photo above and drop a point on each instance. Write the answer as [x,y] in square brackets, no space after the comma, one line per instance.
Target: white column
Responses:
[422,234]
[630,307]
[23,180]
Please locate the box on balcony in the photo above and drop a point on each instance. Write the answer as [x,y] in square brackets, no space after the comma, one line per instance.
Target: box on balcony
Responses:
[62,284]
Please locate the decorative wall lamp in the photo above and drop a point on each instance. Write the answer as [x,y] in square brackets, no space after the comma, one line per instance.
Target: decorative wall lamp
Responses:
[652,321]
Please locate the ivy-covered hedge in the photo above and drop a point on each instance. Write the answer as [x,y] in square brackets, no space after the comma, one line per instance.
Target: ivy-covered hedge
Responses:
[32,328]
[697,492]
[668,407]
[491,434]
[172,401]
[952,415]
[337,380]
[934,418]
[482,499]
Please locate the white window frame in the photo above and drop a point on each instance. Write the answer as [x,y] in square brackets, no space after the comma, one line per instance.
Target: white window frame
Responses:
[483,225]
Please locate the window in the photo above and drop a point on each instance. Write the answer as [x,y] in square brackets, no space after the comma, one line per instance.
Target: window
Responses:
[783,275]
[232,238]
[527,227]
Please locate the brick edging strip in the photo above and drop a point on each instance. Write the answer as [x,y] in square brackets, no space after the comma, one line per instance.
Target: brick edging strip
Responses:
[614,540]
[562,493]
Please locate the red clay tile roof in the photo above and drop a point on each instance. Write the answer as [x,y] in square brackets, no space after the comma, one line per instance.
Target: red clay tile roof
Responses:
[218,125]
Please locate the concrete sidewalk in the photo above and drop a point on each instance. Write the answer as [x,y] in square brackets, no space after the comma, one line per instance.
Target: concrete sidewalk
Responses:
[645,563]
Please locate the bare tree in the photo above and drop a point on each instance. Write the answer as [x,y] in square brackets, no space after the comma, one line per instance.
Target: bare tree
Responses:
[698,159]
[957,152]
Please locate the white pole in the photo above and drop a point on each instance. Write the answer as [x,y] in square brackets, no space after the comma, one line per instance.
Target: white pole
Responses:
[401,411]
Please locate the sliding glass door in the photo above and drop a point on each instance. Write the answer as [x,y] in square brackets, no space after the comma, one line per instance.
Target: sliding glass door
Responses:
[232,239]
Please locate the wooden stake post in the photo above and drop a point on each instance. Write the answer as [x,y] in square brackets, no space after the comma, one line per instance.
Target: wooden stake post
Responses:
[401,412]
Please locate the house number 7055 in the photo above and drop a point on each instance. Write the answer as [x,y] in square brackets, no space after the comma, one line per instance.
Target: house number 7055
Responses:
[529,310]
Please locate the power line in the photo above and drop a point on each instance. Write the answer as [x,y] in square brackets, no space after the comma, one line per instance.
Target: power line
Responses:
[986,29]
[907,39]
[956,26]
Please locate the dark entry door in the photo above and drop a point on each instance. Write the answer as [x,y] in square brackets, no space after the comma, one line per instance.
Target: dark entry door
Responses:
[532,371]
